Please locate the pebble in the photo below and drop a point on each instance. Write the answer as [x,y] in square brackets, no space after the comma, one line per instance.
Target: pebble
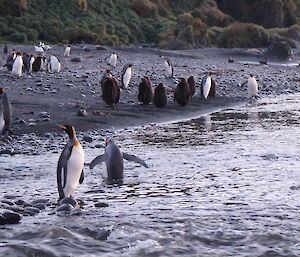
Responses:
[76,59]
[82,113]
[101,205]
[68,200]
[10,218]
[65,208]
[40,206]
[31,210]
[87,139]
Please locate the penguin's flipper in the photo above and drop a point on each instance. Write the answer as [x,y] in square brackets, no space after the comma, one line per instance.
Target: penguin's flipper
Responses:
[81,177]
[97,160]
[62,170]
[133,158]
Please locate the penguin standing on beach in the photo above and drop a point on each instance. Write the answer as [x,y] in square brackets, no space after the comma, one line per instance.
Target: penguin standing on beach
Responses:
[110,89]
[17,65]
[113,158]
[70,165]
[113,59]
[145,94]
[31,61]
[252,86]
[160,96]
[126,75]
[208,86]
[10,60]
[54,64]
[67,51]
[192,85]
[168,67]
[5,111]
[182,94]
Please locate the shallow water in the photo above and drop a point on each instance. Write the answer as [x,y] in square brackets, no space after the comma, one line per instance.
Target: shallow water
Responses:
[226,184]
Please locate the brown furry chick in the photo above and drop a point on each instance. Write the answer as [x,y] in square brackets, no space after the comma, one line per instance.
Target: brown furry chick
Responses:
[160,96]
[110,90]
[192,85]
[182,94]
[145,91]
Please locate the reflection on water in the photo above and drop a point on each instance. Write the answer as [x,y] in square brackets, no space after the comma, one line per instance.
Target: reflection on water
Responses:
[225,184]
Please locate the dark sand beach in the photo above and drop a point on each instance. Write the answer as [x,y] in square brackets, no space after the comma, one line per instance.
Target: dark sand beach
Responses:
[42,100]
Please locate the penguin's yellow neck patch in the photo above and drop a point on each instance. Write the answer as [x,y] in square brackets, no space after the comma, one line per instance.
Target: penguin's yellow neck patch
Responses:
[76,143]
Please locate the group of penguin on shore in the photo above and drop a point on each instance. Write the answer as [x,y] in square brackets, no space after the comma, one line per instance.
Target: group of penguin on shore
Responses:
[71,161]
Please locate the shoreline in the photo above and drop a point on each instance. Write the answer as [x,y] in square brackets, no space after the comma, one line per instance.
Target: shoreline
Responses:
[42,100]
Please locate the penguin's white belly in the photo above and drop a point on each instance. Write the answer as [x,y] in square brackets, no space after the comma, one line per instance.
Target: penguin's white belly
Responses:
[75,165]
[55,66]
[252,87]
[113,60]
[30,64]
[67,52]
[127,77]
[168,69]
[2,122]
[17,66]
[206,87]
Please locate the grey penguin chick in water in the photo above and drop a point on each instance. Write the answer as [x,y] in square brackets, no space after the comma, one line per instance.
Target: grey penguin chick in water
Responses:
[5,112]
[113,158]
[70,165]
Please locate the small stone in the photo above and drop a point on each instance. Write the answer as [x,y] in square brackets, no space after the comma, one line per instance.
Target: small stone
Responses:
[40,206]
[68,200]
[10,218]
[65,208]
[31,210]
[87,139]
[101,205]
[76,212]
[76,59]
[82,113]
[7,202]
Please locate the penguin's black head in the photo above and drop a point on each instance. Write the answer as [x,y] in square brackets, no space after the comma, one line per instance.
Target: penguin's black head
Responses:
[68,129]
[18,53]
[129,65]
[251,75]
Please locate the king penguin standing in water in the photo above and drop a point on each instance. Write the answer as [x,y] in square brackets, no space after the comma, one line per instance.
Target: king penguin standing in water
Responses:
[70,165]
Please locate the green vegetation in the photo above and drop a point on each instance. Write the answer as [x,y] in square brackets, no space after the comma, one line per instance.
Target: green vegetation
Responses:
[164,23]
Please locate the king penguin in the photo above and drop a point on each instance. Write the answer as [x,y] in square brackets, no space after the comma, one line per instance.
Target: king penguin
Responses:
[113,158]
[17,65]
[208,86]
[110,89]
[10,60]
[113,60]
[54,64]
[160,96]
[168,67]
[252,86]
[70,165]
[182,94]
[5,111]
[145,94]
[67,51]
[126,75]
